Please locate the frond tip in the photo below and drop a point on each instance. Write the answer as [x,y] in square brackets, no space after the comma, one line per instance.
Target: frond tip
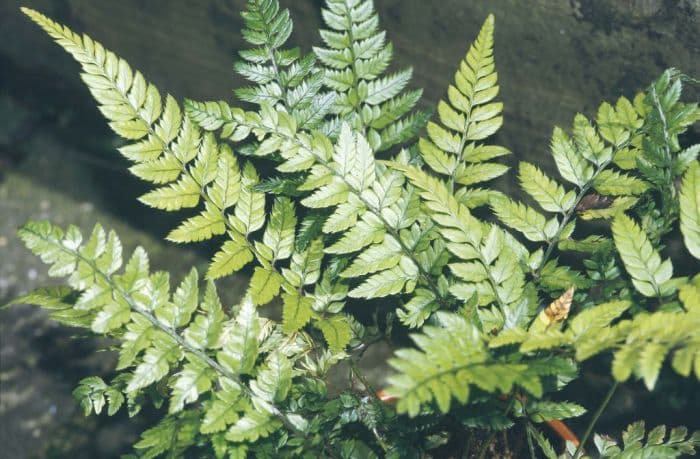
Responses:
[469,116]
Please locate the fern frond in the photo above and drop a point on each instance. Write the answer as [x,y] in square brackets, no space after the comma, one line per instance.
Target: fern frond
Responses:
[642,262]
[690,209]
[470,116]
[656,445]
[494,273]
[429,374]
[356,57]
[162,333]
[284,78]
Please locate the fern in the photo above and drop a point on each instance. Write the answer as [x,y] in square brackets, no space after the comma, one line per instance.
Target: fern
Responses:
[360,250]
[356,57]
[657,445]
[283,77]
[690,209]
[469,116]
[431,374]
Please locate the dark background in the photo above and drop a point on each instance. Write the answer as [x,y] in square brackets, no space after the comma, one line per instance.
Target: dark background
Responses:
[57,158]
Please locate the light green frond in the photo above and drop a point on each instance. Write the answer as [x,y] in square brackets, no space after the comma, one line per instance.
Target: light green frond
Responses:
[356,57]
[274,378]
[470,116]
[610,182]
[388,282]
[336,331]
[429,374]
[677,444]
[209,223]
[588,143]
[532,224]
[178,313]
[232,257]
[155,364]
[250,210]
[572,166]
[222,410]
[281,77]
[549,194]
[690,209]
[204,331]
[240,341]
[252,426]
[418,309]
[296,312]
[264,285]
[278,238]
[642,262]
[194,379]
[166,141]
[172,435]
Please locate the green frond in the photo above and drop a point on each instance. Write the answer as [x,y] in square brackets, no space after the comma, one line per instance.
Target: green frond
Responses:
[532,224]
[264,285]
[610,182]
[171,150]
[544,444]
[470,116]
[642,262]
[543,410]
[204,331]
[252,426]
[274,378]
[194,379]
[690,209]
[572,166]
[356,57]
[232,257]
[430,374]
[240,348]
[172,435]
[549,194]
[223,408]
[296,312]
[336,331]
[94,394]
[677,444]
[342,227]
[282,77]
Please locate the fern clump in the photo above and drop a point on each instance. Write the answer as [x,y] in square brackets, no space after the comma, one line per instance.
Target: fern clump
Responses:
[494,314]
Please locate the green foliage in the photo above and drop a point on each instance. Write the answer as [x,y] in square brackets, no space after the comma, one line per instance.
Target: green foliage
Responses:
[468,117]
[356,250]
[282,77]
[656,445]
[356,57]
[690,209]
[642,262]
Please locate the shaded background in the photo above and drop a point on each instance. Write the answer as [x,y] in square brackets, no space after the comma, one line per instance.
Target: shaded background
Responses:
[57,157]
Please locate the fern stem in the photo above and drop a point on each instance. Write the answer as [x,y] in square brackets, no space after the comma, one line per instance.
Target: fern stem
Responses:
[596,416]
[528,434]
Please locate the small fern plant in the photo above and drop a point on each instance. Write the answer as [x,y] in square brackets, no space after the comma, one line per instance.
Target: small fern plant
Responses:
[381,226]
